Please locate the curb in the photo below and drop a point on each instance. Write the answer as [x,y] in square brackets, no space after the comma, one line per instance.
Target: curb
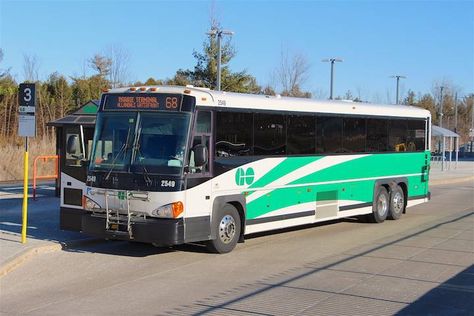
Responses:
[32,252]
[436,182]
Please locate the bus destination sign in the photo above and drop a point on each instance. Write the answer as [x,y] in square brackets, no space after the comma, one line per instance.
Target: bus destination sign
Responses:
[142,101]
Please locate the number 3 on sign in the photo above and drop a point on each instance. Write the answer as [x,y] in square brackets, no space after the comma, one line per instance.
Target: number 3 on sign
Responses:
[171,103]
[27,96]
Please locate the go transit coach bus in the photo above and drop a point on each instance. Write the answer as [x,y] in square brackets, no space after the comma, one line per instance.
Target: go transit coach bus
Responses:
[172,165]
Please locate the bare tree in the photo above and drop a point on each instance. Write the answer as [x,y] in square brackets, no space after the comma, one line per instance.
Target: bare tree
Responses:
[292,74]
[30,68]
[119,72]
[101,64]
[3,72]
[320,94]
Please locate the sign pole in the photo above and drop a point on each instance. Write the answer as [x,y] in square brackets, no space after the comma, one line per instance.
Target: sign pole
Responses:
[25,194]
[26,128]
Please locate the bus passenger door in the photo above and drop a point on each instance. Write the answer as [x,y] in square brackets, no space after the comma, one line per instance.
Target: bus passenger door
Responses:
[198,179]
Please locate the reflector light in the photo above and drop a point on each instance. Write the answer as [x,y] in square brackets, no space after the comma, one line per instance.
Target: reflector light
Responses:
[177,208]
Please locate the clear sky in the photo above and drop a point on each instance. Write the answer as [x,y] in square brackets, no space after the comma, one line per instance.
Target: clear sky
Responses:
[427,41]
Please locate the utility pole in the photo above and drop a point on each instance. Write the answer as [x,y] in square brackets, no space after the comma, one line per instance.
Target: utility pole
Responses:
[219,32]
[441,107]
[456,112]
[398,83]
[332,61]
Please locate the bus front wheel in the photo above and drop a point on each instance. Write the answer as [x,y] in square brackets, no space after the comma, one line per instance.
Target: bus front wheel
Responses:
[226,224]
[381,205]
[397,203]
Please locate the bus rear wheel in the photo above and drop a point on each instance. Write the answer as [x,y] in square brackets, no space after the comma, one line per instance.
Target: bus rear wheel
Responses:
[397,203]
[381,205]
[227,225]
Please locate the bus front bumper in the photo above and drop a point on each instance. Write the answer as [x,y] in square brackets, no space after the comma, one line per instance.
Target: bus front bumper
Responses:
[158,231]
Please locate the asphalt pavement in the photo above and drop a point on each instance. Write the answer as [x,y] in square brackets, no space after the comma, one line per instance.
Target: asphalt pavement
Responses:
[44,235]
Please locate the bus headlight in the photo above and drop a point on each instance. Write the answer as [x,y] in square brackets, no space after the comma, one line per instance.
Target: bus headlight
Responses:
[89,204]
[172,210]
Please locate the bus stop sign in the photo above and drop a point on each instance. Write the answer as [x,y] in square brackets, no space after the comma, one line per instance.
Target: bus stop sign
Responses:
[27,107]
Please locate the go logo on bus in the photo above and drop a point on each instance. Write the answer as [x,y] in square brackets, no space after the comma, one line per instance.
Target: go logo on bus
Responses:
[243,177]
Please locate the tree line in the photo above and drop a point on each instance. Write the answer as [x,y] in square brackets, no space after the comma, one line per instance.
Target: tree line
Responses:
[59,95]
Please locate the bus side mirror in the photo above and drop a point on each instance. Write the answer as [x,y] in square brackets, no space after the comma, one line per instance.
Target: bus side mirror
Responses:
[200,155]
[72,145]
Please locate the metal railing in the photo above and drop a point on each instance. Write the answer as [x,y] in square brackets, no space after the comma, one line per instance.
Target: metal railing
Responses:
[44,177]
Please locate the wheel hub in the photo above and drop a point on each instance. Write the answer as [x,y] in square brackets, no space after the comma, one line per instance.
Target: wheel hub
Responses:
[398,202]
[382,205]
[227,229]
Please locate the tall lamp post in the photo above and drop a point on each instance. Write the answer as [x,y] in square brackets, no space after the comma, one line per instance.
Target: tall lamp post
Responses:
[219,32]
[398,84]
[441,106]
[332,61]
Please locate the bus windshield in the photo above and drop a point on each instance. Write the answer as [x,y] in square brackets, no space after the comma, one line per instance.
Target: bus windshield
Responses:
[161,143]
[148,142]
[113,141]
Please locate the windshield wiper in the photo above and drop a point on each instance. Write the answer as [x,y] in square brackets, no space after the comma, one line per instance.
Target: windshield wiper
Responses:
[123,150]
[136,149]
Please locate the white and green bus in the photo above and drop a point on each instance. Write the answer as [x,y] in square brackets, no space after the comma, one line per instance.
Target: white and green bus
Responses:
[172,165]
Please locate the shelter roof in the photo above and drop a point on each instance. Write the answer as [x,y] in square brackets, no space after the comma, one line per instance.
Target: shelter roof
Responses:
[440,132]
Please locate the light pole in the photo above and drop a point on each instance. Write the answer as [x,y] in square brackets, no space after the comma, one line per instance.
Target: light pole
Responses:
[219,32]
[332,61]
[398,84]
[456,112]
[441,107]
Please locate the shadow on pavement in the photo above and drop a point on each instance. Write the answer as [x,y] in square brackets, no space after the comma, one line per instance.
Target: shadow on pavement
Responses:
[43,215]
[453,297]
[132,249]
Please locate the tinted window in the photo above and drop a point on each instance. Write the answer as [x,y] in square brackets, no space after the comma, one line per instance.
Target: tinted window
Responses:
[416,135]
[269,134]
[233,134]
[377,135]
[301,135]
[328,134]
[354,135]
[203,122]
[397,135]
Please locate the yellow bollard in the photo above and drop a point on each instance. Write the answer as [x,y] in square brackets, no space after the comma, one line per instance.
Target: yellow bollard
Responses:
[25,198]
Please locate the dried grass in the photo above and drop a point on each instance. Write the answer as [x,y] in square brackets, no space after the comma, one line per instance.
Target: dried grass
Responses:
[12,155]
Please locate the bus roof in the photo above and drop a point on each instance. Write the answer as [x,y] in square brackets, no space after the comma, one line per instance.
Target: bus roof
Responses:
[232,100]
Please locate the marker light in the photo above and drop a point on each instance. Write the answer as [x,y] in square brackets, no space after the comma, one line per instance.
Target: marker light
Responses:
[133,89]
[153,89]
[105,90]
[143,89]
[203,99]
[187,91]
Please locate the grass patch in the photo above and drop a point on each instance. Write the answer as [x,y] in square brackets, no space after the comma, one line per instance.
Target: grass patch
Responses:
[12,151]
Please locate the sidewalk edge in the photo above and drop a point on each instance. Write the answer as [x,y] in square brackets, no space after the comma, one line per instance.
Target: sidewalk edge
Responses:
[29,253]
[435,182]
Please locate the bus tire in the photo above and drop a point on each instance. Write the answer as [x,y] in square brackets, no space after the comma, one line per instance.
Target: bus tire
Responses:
[227,225]
[381,205]
[397,203]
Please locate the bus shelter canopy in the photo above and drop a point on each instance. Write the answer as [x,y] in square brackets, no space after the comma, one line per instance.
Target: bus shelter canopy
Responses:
[443,156]
[442,132]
